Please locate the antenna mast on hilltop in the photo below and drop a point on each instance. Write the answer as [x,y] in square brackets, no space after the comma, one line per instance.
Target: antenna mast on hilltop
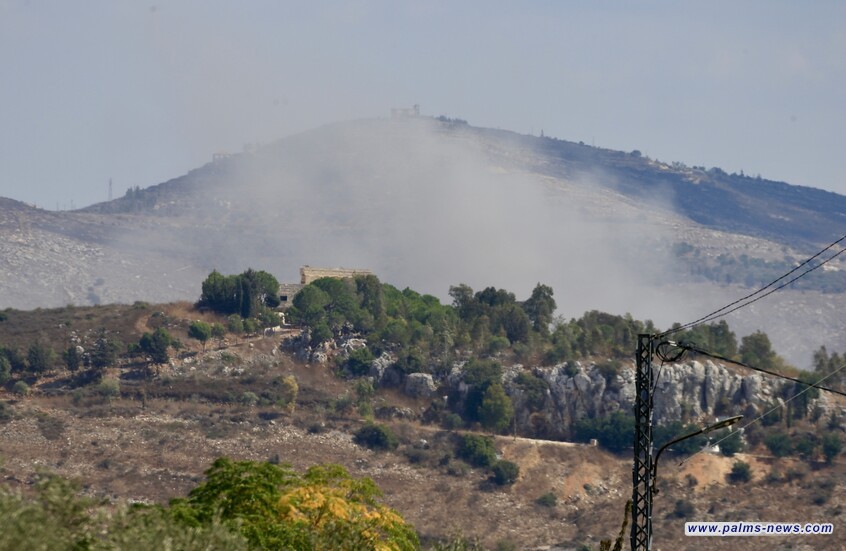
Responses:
[110,189]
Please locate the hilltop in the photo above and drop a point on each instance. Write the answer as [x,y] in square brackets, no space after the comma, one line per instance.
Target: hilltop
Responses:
[430,203]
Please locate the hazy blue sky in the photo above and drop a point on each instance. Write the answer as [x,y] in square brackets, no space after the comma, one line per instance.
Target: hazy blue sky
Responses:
[141,92]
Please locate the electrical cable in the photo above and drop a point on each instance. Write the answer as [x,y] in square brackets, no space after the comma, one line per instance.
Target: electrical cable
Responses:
[753,421]
[665,359]
[692,347]
[737,303]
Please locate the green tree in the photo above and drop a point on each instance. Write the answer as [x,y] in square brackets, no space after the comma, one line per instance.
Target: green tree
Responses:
[806,446]
[309,304]
[218,332]
[515,323]
[829,365]
[496,410]
[505,472]
[235,324]
[614,432]
[359,362]
[156,344]
[245,294]
[276,508]
[779,444]
[540,307]
[741,472]
[20,388]
[257,290]
[5,370]
[72,359]
[479,374]
[200,331]
[756,350]
[477,450]
[105,352]
[831,446]
[221,293]
[371,296]
[290,390]
[40,357]
[16,360]
[464,302]
[376,437]
[731,444]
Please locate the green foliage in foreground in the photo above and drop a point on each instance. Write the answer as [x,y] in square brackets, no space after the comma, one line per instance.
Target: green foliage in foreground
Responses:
[75,522]
[242,505]
[275,507]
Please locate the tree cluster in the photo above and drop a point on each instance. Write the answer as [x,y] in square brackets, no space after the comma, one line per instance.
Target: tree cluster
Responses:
[242,505]
[246,294]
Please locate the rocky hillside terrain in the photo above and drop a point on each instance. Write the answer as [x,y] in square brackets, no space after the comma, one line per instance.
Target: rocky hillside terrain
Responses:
[431,203]
[144,437]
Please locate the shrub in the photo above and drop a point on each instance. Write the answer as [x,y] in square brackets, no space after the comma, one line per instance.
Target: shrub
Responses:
[457,468]
[731,444]
[290,390]
[235,324]
[250,326]
[477,450]
[72,358]
[495,411]
[609,370]
[21,388]
[534,390]
[376,437]
[614,432]
[452,421]
[5,370]
[547,500]
[831,446]
[779,444]
[40,357]
[6,413]
[797,473]
[505,472]
[109,388]
[684,509]
[343,403]
[497,344]
[806,446]
[740,472]
[249,398]
[358,364]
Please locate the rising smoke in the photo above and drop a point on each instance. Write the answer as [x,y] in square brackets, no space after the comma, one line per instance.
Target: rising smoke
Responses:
[427,205]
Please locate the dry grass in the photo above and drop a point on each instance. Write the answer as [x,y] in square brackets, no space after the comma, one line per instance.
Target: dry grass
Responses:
[157,448]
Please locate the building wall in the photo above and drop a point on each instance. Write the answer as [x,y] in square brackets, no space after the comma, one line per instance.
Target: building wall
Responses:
[309,274]
[287,292]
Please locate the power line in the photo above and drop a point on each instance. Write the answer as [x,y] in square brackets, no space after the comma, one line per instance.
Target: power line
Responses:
[755,420]
[692,347]
[741,302]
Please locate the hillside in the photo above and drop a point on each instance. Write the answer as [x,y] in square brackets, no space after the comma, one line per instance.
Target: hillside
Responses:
[429,204]
[151,440]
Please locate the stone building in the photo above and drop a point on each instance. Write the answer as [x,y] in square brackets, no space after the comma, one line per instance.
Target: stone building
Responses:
[309,274]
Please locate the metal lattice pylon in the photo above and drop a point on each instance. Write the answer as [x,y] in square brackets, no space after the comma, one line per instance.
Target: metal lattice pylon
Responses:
[642,469]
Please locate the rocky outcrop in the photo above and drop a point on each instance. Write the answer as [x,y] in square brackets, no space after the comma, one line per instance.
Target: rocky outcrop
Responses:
[420,385]
[575,390]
